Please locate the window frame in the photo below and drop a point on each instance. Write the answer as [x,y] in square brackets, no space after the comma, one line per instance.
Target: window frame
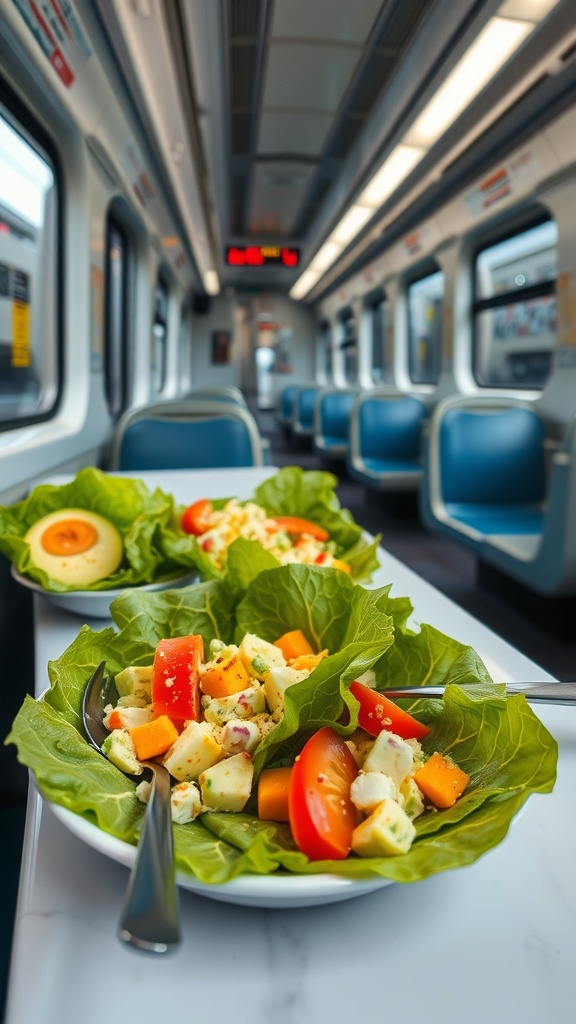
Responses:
[24,123]
[374,303]
[507,298]
[162,281]
[348,345]
[115,223]
[428,269]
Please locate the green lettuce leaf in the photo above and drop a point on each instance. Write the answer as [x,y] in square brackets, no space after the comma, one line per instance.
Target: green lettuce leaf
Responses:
[140,516]
[496,739]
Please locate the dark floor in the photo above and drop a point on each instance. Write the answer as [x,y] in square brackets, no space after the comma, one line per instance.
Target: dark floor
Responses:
[544,629]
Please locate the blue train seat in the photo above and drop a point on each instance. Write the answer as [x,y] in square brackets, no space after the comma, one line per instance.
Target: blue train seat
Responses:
[284,408]
[332,421]
[486,472]
[385,448]
[303,410]
[192,433]
[488,486]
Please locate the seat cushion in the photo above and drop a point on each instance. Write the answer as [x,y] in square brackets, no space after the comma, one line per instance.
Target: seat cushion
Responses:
[512,518]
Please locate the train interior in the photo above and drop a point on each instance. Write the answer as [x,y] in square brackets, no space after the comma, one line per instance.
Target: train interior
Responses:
[356,222]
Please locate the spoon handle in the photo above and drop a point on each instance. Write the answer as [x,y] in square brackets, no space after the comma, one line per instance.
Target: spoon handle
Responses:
[150,918]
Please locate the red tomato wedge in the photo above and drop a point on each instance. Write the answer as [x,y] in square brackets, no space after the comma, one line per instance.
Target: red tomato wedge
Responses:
[378,713]
[296,527]
[176,677]
[196,518]
[322,815]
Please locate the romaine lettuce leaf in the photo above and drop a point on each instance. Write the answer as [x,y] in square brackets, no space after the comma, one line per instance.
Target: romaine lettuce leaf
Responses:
[497,739]
[140,516]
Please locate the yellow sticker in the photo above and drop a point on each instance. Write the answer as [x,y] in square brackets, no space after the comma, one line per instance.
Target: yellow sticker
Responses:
[20,334]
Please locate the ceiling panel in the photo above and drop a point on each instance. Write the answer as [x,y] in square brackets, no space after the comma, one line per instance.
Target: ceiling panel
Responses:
[336,20]
[276,196]
[285,131]
[308,75]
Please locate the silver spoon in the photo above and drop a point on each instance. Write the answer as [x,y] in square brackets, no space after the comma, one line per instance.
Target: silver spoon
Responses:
[150,918]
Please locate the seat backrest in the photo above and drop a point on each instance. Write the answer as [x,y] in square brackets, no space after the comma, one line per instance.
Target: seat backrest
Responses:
[333,413]
[287,400]
[492,455]
[186,434]
[222,393]
[390,428]
[304,402]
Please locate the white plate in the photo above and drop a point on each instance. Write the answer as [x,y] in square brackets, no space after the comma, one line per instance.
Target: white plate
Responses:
[268,891]
[95,604]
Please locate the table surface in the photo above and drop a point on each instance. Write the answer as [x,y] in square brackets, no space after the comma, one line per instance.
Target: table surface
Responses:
[495,941]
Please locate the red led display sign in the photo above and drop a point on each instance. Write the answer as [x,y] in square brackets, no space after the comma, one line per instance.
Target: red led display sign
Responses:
[261,256]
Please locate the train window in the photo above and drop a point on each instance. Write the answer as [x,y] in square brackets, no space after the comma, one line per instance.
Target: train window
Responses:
[30,354]
[160,334]
[425,295]
[349,347]
[379,323]
[515,308]
[326,350]
[116,322]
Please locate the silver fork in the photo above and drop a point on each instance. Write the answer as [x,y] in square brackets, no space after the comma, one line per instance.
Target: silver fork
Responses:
[150,919]
[536,693]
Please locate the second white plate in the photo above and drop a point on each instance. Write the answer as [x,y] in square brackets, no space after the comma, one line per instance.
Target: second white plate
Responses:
[95,604]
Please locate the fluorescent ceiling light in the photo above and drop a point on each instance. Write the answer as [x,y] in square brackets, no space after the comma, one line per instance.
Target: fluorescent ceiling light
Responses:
[391,174]
[351,224]
[486,56]
[325,256]
[211,282]
[526,10]
[304,284]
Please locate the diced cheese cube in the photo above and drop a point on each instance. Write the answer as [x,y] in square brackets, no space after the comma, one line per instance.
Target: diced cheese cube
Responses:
[370,788]
[227,785]
[412,797]
[119,749]
[193,752]
[143,791]
[238,735]
[136,680]
[244,704]
[387,831]
[390,754]
[259,656]
[359,744]
[123,717]
[185,802]
[277,681]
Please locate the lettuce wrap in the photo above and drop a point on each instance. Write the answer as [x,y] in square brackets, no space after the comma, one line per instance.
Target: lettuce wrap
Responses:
[496,739]
[140,516]
[292,491]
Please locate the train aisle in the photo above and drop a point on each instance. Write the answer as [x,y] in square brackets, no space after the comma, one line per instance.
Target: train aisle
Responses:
[543,629]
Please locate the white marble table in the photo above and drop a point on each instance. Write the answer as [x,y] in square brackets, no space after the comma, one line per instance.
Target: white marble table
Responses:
[493,942]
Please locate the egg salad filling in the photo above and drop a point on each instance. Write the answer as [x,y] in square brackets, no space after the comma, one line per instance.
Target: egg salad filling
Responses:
[205,718]
[288,538]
